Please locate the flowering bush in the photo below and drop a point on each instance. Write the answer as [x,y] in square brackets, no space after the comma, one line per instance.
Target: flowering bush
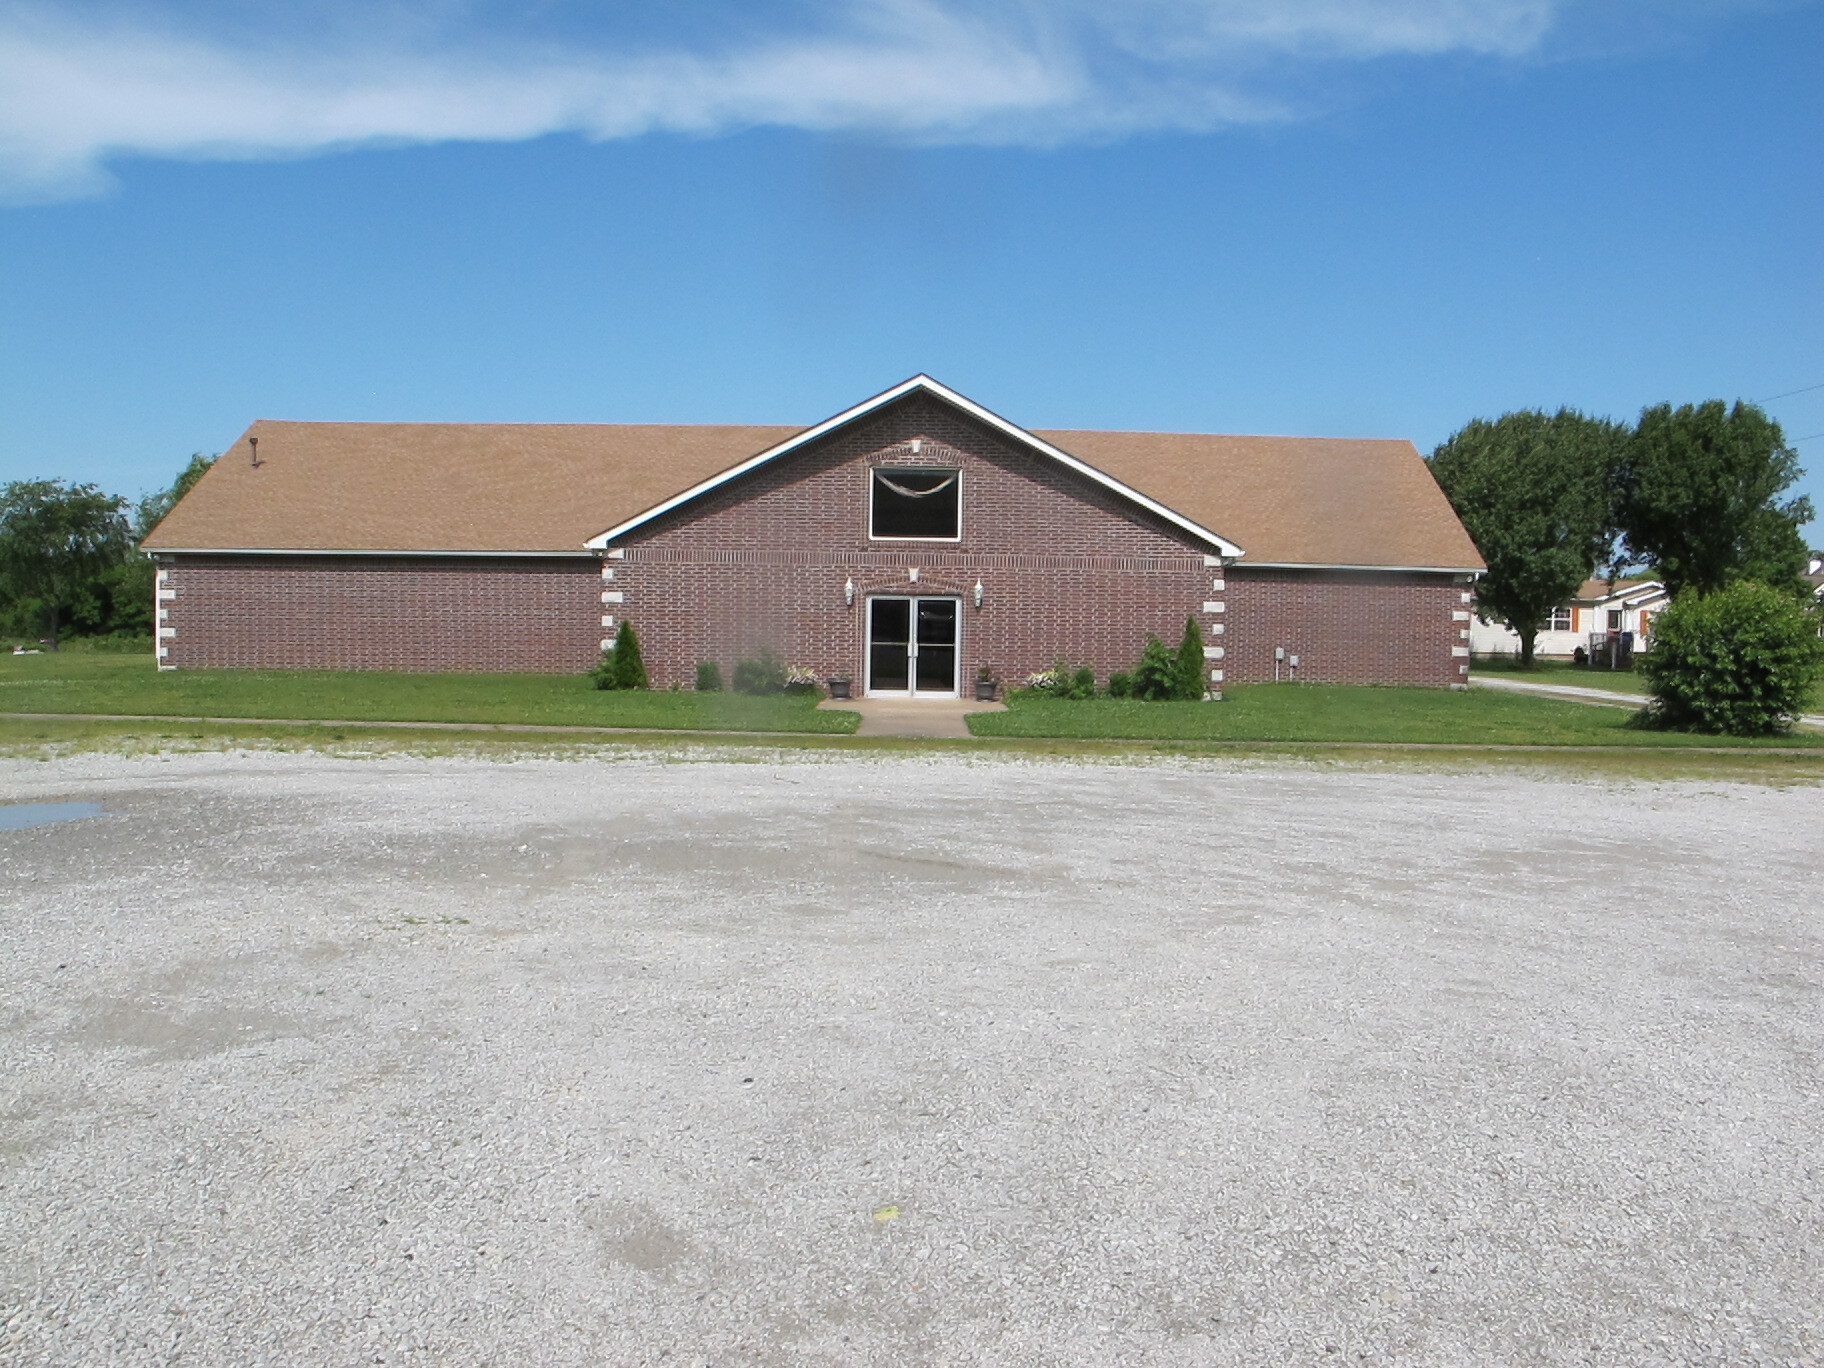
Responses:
[799,675]
[1060,681]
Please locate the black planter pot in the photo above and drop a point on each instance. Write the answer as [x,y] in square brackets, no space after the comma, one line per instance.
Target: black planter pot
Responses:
[839,688]
[984,690]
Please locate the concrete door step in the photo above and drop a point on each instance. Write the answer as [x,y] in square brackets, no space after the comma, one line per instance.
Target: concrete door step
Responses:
[940,718]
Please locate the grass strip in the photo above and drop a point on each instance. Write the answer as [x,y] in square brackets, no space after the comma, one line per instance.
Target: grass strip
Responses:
[1343,713]
[49,738]
[71,682]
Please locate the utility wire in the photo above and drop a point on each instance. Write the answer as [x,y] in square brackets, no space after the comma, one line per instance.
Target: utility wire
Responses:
[1814,437]
[1789,393]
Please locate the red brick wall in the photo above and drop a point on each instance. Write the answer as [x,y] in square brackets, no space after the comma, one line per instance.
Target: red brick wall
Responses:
[384,613]
[1346,627]
[1067,569]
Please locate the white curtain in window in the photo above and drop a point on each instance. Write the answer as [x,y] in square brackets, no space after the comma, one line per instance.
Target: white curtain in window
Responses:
[900,489]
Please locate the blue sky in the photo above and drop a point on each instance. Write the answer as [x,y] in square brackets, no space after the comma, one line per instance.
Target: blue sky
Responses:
[1370,218]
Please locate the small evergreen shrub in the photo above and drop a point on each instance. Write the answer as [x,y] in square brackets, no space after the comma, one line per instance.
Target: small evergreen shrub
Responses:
[1189,674]
[622,666]
[1742,661]
[764,674]
[1120,685]
[1082,683]
[709,677]
[1156,676]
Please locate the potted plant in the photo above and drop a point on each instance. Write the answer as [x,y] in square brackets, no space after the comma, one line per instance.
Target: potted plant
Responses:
[839,686]
[985,684]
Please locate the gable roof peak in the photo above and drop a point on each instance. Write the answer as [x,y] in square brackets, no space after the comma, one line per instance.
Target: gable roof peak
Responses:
[925,383]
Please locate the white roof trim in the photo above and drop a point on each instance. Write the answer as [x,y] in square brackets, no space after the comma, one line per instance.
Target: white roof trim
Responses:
[1330,565]
[969,406]
[1630,593]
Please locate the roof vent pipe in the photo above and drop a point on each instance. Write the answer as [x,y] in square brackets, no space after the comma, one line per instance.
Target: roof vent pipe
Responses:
[253,445]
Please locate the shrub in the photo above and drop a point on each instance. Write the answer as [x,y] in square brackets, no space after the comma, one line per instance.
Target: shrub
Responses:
[622,666]
[1741,661]
[1189,674]
[764,674]
[1156,676]
[1120,685]
[1076,684]
[709,677]
[802,682]
[1060,681]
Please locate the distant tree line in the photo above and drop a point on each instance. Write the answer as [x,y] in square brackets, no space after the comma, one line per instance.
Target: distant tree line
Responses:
[69,563]
[1695,496]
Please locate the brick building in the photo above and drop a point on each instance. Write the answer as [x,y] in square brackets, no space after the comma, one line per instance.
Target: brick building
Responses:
[906,543]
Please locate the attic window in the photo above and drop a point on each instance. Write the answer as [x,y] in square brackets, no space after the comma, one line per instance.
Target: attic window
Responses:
[917,504]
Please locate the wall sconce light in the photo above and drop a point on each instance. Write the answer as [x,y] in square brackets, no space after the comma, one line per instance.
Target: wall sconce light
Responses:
[978,593]
[848,593]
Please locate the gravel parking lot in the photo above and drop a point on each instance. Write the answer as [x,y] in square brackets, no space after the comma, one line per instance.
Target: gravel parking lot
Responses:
[827,1061]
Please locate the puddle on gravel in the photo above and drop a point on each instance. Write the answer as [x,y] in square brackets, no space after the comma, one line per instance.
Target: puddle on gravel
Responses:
[17,816]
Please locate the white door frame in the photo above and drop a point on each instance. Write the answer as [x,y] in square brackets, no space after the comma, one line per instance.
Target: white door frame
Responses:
[912,690]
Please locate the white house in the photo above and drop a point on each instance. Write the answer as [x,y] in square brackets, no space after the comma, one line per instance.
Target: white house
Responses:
[1598,610]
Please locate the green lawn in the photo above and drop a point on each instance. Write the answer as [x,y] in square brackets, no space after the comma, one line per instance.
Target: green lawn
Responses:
[1325,712]
[83,682]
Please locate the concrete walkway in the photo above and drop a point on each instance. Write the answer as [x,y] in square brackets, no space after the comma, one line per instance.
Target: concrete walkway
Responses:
[939,718]
[1576,693]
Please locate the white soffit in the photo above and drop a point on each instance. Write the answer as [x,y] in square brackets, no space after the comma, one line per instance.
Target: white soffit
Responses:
[949,396]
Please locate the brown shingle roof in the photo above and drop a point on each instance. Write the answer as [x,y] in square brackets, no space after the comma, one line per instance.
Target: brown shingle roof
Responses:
[1596,590]
[444,486]
[1291,500]
[483,487]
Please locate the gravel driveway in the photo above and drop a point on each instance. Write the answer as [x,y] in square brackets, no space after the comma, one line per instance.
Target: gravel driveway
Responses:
[649,1060]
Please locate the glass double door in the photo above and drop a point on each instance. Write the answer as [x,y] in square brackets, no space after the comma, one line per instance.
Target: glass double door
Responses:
[912,646]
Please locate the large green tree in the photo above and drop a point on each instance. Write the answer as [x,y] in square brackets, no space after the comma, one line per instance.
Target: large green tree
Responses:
[1534,492]
[55,539]
[1699,498]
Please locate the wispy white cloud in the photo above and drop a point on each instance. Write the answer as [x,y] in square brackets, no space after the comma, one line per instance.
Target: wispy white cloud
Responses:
[168,83]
